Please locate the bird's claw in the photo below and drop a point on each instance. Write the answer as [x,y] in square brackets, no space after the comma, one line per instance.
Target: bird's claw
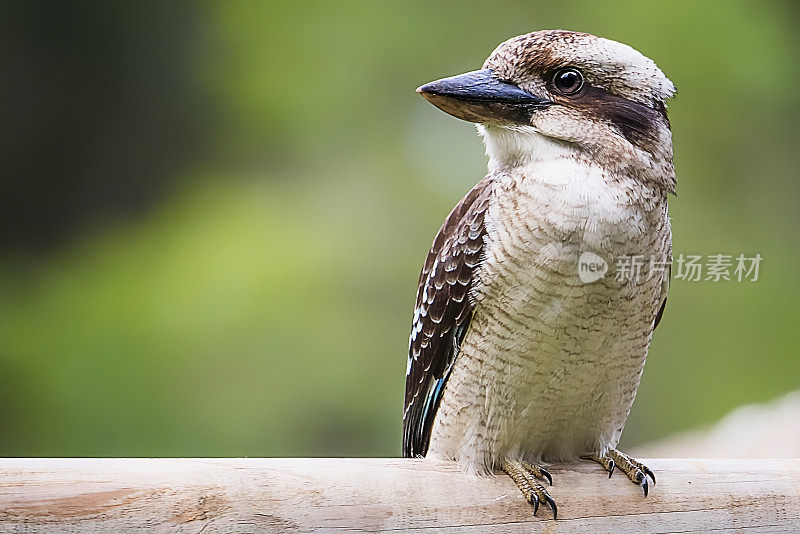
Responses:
[553,507]
[537,471]
[606,461]
[546,474]
[535,500]
[635,470]
[648,472]
[643,482]
[524,474]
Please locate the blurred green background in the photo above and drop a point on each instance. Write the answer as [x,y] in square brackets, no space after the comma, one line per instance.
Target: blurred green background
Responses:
[214,214]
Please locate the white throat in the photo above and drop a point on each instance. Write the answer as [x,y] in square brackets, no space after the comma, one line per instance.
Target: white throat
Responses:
[525,148]
[522,147]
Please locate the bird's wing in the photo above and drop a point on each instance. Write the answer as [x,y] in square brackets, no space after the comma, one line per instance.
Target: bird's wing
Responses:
[442,313]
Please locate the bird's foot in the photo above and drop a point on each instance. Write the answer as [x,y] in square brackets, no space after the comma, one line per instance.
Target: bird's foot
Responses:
[524,475]
[636,471]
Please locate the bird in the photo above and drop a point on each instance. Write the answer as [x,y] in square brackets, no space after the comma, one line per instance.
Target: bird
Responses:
[515,359]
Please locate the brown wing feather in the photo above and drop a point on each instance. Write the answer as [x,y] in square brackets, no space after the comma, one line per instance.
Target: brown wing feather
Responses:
[442,313]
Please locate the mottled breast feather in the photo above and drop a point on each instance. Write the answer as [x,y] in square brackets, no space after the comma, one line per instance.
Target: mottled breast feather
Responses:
[442,313]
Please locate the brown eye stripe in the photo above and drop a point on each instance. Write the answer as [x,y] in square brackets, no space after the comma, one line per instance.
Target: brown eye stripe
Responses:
[637,122]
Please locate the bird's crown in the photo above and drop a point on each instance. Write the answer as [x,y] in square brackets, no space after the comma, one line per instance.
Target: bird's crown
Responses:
[615,67]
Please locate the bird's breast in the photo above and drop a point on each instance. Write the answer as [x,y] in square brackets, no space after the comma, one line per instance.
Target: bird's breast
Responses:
[551,363]
[540,222]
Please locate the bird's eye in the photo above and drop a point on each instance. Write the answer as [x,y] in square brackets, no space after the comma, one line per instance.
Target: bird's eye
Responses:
[568,81]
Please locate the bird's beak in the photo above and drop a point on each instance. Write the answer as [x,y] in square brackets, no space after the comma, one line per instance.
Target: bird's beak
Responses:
[479,96]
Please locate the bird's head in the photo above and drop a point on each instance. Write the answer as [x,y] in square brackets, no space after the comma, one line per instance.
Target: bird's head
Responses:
[558,93]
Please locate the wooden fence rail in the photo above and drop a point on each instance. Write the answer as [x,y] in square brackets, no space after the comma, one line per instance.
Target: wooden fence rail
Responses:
[340,495]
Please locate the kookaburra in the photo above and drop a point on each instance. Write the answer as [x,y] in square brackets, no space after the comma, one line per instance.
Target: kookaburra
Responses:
[514,360]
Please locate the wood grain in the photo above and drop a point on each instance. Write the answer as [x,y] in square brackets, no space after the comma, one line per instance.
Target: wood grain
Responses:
[340,495]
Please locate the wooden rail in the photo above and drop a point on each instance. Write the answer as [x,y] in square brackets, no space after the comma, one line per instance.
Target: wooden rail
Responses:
[340,495]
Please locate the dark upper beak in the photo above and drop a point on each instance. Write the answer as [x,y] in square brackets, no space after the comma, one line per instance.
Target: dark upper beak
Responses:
[480,97]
